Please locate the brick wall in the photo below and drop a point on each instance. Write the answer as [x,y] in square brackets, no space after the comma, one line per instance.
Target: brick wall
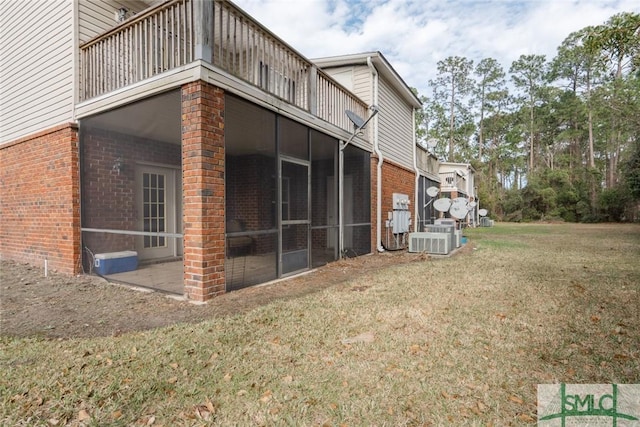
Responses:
[203,169]
[395,179]
[39,194]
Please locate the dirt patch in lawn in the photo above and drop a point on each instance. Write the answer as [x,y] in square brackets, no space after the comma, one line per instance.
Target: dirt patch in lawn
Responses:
[63,306]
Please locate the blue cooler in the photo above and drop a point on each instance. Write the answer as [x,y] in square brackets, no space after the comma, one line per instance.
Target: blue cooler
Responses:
[116,262]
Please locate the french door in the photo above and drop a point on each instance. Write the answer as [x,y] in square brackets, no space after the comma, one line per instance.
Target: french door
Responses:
[158,211]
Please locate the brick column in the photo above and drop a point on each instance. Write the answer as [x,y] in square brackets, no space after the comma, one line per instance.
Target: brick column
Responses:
[203,190]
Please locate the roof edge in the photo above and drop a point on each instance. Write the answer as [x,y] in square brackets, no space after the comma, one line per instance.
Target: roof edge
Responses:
[381,64]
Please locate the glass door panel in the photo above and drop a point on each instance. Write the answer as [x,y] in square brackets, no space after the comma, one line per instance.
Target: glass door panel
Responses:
[157,206]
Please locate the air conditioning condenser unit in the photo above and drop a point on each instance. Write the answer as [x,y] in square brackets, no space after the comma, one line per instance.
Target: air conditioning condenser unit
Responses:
[431,243]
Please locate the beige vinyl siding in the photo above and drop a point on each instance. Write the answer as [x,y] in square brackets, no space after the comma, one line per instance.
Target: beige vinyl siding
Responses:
[97,16]
[363,84]
[355,78]
[36,68]
[395,126]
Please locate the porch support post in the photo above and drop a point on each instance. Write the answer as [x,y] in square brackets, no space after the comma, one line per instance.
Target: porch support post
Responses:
[313,91]
[203,190]
[203,30]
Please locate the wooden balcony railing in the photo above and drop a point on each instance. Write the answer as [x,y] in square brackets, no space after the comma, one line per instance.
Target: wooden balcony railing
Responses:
[178,32]
[451,180]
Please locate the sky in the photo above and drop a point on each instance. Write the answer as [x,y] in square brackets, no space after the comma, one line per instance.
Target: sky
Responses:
[415,34]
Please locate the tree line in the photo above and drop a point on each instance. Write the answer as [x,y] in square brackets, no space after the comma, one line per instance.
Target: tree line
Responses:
[549,139]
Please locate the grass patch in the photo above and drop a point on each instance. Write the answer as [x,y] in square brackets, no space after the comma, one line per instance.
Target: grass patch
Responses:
[457,341]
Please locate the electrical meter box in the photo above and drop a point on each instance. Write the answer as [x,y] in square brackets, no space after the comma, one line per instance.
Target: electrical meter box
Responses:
[400,202]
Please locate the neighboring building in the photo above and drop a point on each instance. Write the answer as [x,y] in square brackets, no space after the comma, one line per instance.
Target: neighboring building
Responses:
[458,180]
[192,135]
[395,163]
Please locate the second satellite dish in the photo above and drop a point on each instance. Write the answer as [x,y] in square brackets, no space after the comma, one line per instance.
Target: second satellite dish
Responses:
[460,202]
[458,211]
[432,191]
[483,212]
[442,205]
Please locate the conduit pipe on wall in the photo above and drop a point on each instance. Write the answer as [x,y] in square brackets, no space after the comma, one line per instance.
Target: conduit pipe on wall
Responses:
[376,149]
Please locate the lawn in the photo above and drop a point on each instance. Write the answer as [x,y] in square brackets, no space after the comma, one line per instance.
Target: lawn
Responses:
[450,341]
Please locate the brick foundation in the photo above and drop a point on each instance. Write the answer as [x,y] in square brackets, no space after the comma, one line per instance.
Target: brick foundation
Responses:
[40,194]
[203,190]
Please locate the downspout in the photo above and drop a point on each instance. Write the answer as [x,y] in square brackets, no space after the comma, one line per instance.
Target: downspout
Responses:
[75,60]
[376,150]
[415,168]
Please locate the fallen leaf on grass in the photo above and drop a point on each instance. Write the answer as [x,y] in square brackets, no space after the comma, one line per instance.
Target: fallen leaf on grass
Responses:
[365,337]
[516,399]
[449,396]
[203,413]
[116,415]
[527,418]
[83,415]
[266,396]
[53,421]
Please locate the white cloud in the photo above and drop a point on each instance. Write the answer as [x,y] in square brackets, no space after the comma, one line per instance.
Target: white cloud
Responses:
[415,34]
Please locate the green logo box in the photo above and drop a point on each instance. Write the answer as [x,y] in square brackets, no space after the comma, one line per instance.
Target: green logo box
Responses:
[587,405]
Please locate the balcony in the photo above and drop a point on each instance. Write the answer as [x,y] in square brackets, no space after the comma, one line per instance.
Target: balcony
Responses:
[453,181]
[179,32]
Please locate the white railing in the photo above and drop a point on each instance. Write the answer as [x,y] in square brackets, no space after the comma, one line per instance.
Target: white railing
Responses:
[178,32]
[450,181]
[153,42]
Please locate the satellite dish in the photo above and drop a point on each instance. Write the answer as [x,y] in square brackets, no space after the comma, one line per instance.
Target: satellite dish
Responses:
[473,204]
[459,201]
[357,121]
[432,191]
[432,142]
[442,205]
[458,211]
[483,212]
